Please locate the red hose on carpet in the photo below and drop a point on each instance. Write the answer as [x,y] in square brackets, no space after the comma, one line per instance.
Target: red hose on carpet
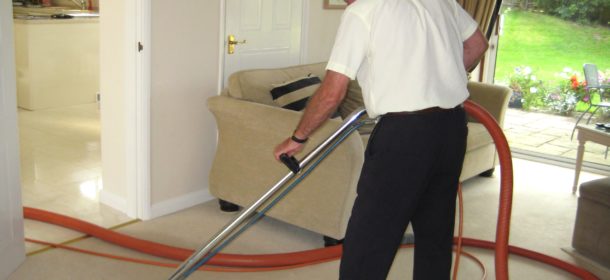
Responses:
[175,253]
[500,246]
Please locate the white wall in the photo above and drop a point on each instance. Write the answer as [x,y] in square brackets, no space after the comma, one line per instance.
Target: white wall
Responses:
[12,248]
[322,29]
[113,111]
[185,56]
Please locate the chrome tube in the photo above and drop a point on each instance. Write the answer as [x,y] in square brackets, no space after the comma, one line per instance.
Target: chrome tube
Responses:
[350,120]
[188,265]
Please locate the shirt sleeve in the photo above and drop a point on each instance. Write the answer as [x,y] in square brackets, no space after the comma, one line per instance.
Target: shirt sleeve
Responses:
[466,23]
[351,45]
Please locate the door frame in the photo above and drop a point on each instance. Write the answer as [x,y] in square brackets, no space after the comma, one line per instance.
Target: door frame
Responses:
[223,40]
[135,202]
[138,80]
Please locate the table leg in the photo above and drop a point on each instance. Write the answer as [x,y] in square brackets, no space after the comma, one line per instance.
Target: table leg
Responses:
[579,156]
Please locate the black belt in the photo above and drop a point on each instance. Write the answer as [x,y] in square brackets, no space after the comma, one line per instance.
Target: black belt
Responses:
[425,111]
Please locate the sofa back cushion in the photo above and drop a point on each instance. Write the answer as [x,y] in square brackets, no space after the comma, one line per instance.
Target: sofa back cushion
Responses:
[352,101]
[295,94]
[256,85]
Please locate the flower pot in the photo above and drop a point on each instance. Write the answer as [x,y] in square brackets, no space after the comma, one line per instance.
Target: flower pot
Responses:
[516,100]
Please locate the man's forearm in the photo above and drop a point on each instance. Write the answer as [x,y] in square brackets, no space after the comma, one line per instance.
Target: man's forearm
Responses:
[323,104]
[474,48]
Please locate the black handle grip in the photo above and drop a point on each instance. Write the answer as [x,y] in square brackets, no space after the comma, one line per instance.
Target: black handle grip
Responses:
[291,162]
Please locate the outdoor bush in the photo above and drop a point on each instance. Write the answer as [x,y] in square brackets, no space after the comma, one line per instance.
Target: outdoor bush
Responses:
[597,11]
[560,102]
[563,96]
[527,87]
[569,92]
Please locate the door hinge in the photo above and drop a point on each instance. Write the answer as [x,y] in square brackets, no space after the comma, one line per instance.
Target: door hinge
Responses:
[140,47]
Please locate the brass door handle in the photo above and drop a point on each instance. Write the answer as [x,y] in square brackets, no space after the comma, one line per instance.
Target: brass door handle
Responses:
[232,42]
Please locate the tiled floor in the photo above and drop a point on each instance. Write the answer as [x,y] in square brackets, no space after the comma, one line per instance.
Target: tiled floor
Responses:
[61,168]
[549,134]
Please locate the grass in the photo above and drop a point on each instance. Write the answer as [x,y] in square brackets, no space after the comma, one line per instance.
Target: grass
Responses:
[548,44]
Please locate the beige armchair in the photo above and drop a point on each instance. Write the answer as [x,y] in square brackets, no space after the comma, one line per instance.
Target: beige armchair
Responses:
[250,126]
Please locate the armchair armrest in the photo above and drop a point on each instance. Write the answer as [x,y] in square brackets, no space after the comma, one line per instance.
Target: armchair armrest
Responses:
[244,167]
[494,98]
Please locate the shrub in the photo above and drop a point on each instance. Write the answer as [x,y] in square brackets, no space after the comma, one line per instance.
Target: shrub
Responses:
[571,82]
[596,11]
[526,86]
[562,96]
[562,103]
[571,94]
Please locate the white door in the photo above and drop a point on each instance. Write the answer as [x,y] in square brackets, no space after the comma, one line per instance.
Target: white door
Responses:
[12,248]
[268,33]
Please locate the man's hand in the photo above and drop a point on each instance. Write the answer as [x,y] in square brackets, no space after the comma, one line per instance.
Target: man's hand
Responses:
[322,104]
[288,147]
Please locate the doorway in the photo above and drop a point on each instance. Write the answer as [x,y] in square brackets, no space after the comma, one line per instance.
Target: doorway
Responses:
[60,143]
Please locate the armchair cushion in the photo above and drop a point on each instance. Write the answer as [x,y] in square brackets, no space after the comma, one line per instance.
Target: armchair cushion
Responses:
[255,85]
[294,94]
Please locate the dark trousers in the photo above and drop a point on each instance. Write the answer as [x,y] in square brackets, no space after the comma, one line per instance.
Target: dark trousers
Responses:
[410,174]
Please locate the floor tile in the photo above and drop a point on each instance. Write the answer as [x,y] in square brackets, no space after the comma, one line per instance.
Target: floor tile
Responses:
[61,169]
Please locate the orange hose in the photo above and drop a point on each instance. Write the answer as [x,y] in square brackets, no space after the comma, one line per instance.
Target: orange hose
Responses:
[501,246]
[174,265]
[573,269]
[506,185]
[175,253]
[217,268]
[458,242]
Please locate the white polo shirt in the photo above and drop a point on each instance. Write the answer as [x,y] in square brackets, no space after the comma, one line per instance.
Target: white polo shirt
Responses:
[406,54]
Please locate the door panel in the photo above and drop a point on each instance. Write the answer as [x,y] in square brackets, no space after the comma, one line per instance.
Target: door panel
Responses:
[271,30]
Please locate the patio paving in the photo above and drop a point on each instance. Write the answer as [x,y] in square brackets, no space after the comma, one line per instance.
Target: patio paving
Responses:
[549,134]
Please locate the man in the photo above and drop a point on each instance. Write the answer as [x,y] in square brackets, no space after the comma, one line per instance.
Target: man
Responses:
[411,59]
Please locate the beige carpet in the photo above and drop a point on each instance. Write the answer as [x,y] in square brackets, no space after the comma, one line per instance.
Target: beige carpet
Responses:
[543,219]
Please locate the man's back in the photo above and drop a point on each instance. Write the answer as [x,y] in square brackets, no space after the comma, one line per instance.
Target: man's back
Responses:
[414,55]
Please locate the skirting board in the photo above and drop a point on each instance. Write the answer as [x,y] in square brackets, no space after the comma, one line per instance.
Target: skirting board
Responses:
[592,266]
[180,203]
[113,201]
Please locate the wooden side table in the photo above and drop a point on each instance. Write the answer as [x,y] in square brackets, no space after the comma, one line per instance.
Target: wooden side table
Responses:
[587,133]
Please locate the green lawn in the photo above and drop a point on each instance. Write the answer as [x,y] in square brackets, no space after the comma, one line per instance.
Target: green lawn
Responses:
[548,44]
